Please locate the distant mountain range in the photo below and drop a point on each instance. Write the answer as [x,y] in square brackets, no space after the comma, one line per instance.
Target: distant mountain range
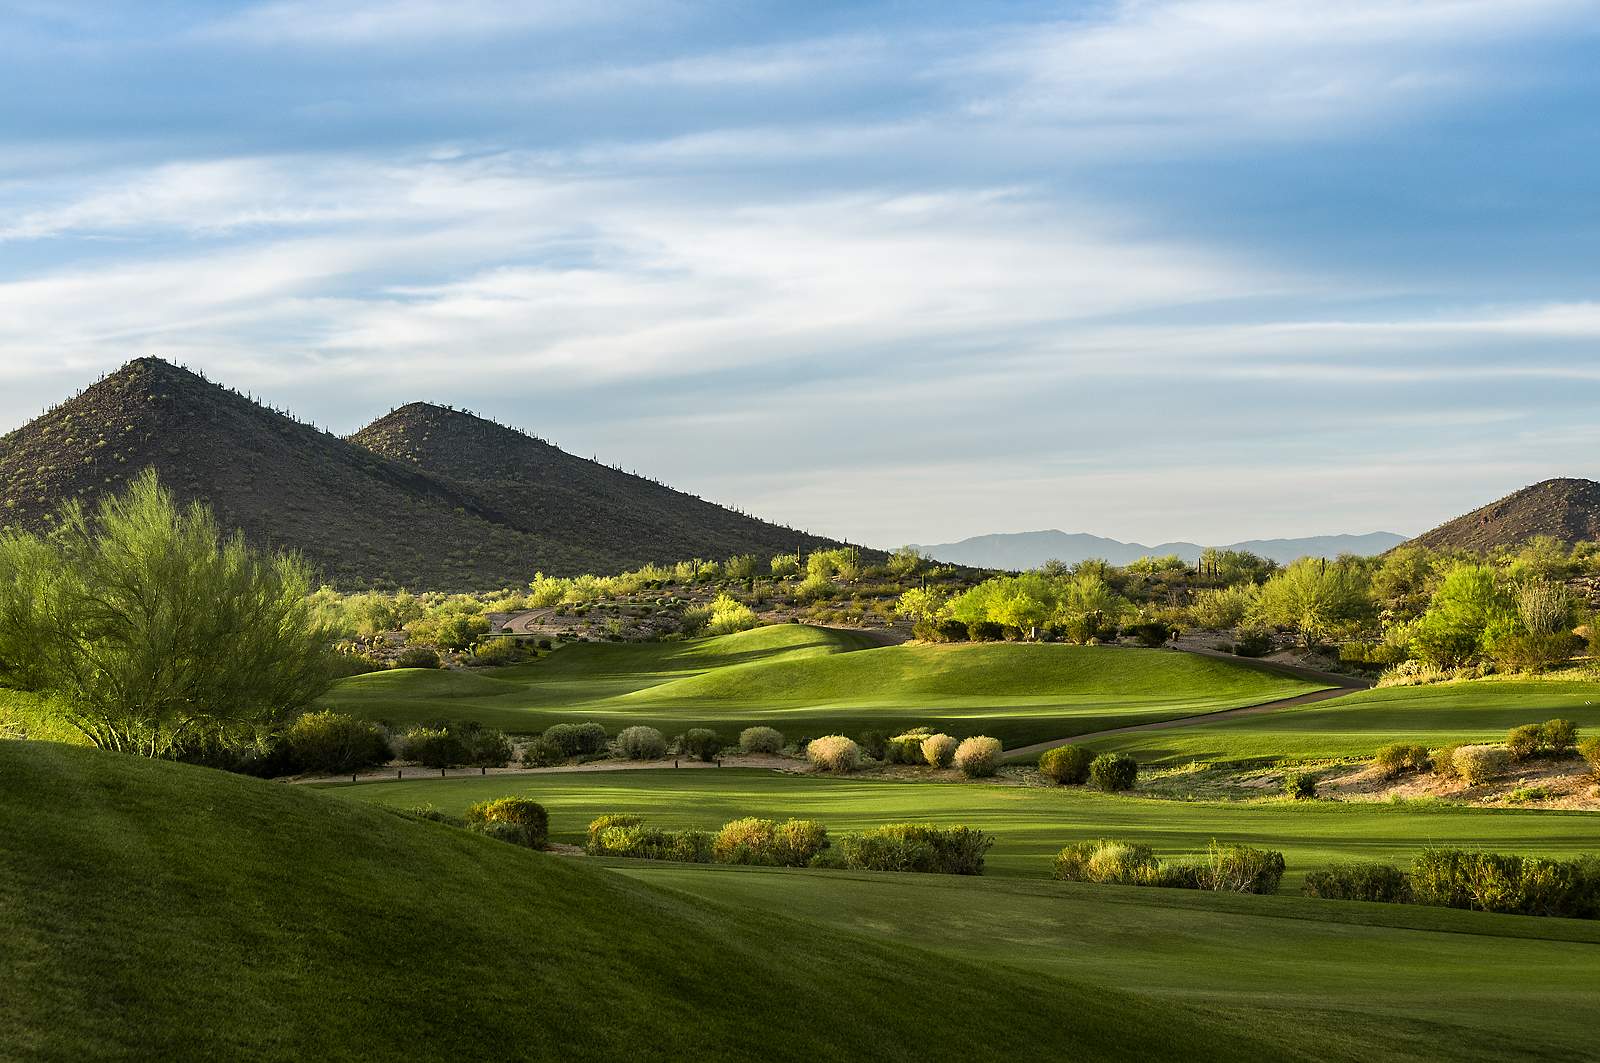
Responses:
[427,497]
[1024,550]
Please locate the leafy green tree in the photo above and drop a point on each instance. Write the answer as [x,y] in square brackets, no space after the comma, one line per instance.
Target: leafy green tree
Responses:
[151,630]
[904,562]
[1315,597]
[1469,612]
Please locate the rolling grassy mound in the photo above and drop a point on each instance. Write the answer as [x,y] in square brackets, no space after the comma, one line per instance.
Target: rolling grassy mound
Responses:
[1356,725]
[151,910]
[800,680]
[1030,824]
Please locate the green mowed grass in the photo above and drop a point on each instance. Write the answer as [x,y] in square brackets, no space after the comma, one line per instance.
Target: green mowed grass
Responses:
[151,910]
[811,681]
[1357,724]
[1360,979]
[1030,824]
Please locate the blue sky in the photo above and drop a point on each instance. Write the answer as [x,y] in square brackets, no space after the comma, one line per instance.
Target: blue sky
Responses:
[898,272]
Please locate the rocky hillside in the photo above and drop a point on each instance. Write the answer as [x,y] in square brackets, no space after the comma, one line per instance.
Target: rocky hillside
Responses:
[379,512]
[1567,509]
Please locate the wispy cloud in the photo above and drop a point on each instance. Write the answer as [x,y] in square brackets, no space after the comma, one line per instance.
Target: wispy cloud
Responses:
[338,23]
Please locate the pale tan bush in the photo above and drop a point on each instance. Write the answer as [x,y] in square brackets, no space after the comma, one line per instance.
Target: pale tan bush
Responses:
[834,753]
[978,756]
[1479,764]
[938,750]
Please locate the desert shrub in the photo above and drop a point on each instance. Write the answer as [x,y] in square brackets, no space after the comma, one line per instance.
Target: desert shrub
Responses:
[785,565]
[1589,750]
[1149,632]
[1253,642]
[1358,882]
[1300,785]
[600,824]
[760,740]
[642,743]
[1444,761]
[769,843]
[1557,737]
[433,747]
[1397,757]
[498,651]
[701,743]
[429,814]
[1479,764]
[652,843]
[1106,861]
[951,631]
[591,738]
[874,744]
[488,748]
[938,750]
[917,847]
[1523,742]
[906,748]
[728,615]
[1494,882]
[564,735]
[694,620]
[1066,764]
[978,756]
[333,743]
[1244,869]
[1113,771]
[834,753]
[512,819]
[542,752]
[417,657]
[985,631]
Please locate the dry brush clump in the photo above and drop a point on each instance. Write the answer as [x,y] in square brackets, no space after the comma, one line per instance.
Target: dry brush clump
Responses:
[978,756]
[642,743]
[511,819]
[833,753]
[1066,764]
[768,843]
[939,750]
[1475,765]
[1224,868]
[760,740]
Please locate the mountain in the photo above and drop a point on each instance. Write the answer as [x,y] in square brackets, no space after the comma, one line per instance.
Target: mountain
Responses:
[1024,550]
[1568,509]
[414,501]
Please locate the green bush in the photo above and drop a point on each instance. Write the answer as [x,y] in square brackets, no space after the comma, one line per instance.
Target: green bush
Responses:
[417,657]
[1398,757]
[760,740]
[1253,642]
[1359,882]
[1113,771]
[1557,737]
[1300,785]
[542,752]
[938,750]
[488,749]
[1066,764]
[1523,742]
[497,652]
[1479,764]
[433,747]
[512,819]
[917,847]
[1107,862]
[1444,761]
[1494,882]
[834,753]
[642,743]
[1149,632]
[628,836]
[978,757]
[1589,750]
[768,843]
[600,824]
[331,743]
[874,744]
[1245,869]
[702,743]
[906,748]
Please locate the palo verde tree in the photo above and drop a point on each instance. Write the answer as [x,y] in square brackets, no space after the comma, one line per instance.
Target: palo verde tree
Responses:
[151,630]
[1317,598]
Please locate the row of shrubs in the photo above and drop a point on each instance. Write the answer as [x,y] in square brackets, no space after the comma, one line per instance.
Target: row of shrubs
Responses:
[1475,764]
[1074,765]
[796,843]
[1459,878]
[1225,868]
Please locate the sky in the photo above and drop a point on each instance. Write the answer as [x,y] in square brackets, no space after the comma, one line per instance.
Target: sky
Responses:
[894,272]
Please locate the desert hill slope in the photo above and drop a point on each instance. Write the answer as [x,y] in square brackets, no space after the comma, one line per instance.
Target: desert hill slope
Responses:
[362,517]
[1566,508]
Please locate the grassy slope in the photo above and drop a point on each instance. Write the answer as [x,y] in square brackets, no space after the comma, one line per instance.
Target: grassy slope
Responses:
[1356,725]
[1369,980]
[796,679]
[1031,824]
[153,910]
